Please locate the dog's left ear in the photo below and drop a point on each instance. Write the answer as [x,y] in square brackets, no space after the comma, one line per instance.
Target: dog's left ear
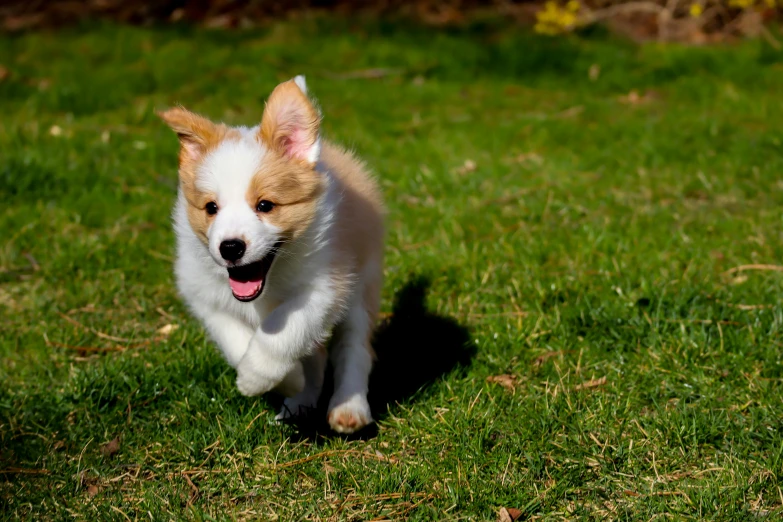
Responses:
[291,123]
[196,133]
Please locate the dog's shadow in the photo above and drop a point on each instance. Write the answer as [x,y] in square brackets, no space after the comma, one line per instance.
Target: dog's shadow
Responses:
[414,348]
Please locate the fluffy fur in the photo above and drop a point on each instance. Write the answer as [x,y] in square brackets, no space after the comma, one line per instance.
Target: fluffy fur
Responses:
[326,228]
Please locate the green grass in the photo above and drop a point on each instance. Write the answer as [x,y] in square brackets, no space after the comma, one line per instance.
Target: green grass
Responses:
[591,240]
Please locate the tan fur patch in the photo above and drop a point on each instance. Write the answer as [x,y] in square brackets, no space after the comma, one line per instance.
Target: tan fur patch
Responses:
[294,189]
[197,215]
[197,136]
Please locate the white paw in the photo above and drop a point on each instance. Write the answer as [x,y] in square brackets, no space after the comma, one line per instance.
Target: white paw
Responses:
[349,415]
[258,374]
[251,383]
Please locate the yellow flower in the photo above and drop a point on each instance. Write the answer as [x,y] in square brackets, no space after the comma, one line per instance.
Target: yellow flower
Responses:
[696,10]
[553,19]
[742,4]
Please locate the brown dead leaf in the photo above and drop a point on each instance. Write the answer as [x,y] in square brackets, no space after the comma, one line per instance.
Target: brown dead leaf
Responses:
[634,98]
[177,14]
[4,73]
[17,23]
[594,72]
[742,278]
[541,359]
[167,329]
[371,74]
[571,112]
[509,514]
[529,157]
[592,383]
[507,381]
[751,23]
[743,268]
[631,98]
[194,492]
[220,22]
[111,447]
[468,166]
[93,490]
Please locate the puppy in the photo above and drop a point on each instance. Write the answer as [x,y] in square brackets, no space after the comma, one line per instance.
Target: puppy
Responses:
[279,246]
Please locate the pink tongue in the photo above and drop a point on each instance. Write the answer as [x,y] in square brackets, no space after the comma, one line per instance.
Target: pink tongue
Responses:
[244,288]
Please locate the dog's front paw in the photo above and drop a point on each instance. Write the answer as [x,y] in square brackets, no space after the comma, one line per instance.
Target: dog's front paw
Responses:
[349,415]
[258,374]
[251,383]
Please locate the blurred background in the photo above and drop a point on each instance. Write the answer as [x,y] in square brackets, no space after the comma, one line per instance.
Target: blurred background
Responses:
[696,21]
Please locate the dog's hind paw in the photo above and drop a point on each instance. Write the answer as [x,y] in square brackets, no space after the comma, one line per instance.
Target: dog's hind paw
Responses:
[350,415]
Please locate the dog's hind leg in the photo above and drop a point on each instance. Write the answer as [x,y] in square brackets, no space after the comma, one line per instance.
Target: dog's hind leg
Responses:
[306,401]
[352,358]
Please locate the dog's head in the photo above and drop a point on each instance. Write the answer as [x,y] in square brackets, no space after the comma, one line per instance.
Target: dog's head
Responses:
[248,191]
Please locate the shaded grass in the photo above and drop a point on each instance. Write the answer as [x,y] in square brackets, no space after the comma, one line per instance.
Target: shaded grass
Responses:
[587,237]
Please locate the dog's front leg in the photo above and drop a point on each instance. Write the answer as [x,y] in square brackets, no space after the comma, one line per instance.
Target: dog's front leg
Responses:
[267,365]
[288,334]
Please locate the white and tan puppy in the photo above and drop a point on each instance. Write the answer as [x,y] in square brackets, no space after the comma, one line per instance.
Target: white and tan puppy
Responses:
[279,245]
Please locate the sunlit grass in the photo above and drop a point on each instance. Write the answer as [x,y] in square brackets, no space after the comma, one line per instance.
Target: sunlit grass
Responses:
[575,238]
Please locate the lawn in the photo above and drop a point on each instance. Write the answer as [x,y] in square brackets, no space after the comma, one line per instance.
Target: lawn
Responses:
[582,306]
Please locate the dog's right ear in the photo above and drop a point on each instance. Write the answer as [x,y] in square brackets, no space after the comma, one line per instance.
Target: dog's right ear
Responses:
[290,123]
[196,134]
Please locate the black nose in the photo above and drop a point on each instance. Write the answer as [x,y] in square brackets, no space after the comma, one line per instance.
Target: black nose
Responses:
[232,249]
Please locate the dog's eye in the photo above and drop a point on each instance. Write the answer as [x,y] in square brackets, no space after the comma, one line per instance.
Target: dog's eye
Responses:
[211,208]
[265,206]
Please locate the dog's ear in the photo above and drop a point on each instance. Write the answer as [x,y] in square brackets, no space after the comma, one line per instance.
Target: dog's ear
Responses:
[291,123]
[196,134]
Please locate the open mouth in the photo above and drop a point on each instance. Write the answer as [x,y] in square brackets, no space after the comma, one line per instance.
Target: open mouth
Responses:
[247,281]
